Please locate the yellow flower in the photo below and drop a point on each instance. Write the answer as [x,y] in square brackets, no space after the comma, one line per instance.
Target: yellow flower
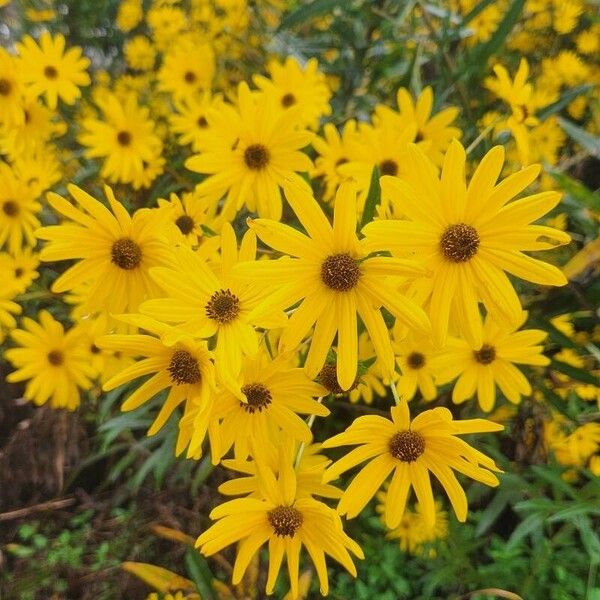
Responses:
[11,91]
[293,85]
[125,138]
[251,152]
[54,362]
[18,210]
[370,382]
[39,168]
[268,397]
[40,16]
[588,41]
[129,15]
[411,450]
[576,447]
[469,236]
[287,522]
[49,70]
[480,369]
[20,267]
[140,53]
[114,251]
[8,308]
[335,277]
[416,359]
[566,15]
[191,123]
[166,22]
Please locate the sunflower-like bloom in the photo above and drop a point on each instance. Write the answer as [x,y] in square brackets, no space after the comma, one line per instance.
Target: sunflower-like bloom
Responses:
[190,121]
[8,308]
[20,268]
[469,236]
[49,70]
[114,251]
[334,275]
[185,368]
[11,91]
[411,450]
[286,522]
[293,85]
[268,397]
[54,362]
[479,370]
[253,148]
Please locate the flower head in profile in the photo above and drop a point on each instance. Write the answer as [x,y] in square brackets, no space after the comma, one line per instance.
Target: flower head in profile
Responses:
[287,523]
[51,71]
[469,236]
[332,273]
[54,362]
[411,450]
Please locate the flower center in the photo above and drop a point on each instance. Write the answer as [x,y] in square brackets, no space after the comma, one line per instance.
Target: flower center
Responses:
[19,272]
[55,358]
[126,254]
[415,360]
[459,243]
[388,167]
[184,368]
[288,100]
[223,307]
[257,156]
[185,224]
[285,520]
[51,72]
[419,137]
[485,355]
[407,445]
[124,138]
[5,87]
[327,377]
[340,272]
[341,161]
[10,208]
[190,77]
[202,122]
[94,349]
[258,397]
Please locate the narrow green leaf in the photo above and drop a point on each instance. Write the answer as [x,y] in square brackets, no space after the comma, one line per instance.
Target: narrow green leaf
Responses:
[586,140]
[577,190]
[373,198]
[566,98]
[491,512]
[574,372]
[526,527]
[552,476]
[199,572]
[578,509]
[476,10]
[306,12]
[555,401]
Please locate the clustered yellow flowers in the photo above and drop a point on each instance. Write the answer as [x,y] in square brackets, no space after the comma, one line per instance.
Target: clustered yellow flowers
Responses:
[265,280]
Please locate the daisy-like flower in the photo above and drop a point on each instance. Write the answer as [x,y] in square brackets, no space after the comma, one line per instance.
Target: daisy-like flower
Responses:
[191,122]
[49,70]
[253,149]
[114,251]
[479,370]
[11,91]
[268,399]
[184,368]
[18,210]
[295,85]
[287,522]
[469,236]
[437,129]
[125,138]
[204,304]
[20,267]
[411,450]
[53,362]
[8,308]
[335,277]
[140,53]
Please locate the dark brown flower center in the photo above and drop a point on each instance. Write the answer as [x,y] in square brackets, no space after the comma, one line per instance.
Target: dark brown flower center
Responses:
[258,397]
[10,208]
[190,77]
[55,358]
[340,272]
[19,272]
[388,167]
[5,87]
[419,137]
[223,307]
[407,445]
[183,368]
[459,243]
[94,349]
[485,355]
[327,377]
[202,122]
[126,254]
[415,360]
[185,224]
[288,100]
[341,161]
[285,520]
[51,72]
[124,138]
[256,156]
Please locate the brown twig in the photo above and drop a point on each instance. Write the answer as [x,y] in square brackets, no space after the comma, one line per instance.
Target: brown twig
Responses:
[43,506]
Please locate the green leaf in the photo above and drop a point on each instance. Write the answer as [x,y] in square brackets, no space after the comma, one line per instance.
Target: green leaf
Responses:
[526,527]
[566,98]
[555,401]
[308,11]
[588,141]
[373,198]
[574,372]
[577,190]
[551,476]
[576,510]
[492,512]
[200,573]
[476,10]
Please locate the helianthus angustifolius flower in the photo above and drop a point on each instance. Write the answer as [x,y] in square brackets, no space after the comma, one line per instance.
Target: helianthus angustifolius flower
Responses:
[140,53]
[287,523]
[11,91]
[336,279]
[253,148]
[267,398]
[479,370]
[8,307]
[50,71]
[469,236]
[53,361]
[190,121]
[114,250]
[411,450]
[20,268]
